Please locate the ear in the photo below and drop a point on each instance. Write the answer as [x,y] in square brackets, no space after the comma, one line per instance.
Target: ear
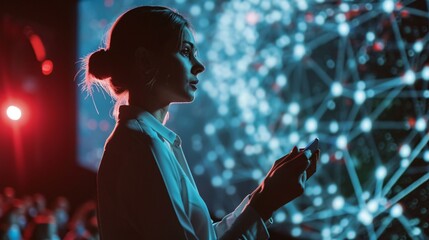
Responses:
[144,61]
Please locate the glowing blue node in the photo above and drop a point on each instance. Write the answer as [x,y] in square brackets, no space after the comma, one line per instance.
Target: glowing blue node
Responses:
[293,137]
[227,174]
[372,205]
[319,19]
[311,125]
[281,80]
[336,89]
[299,51]
[421,124]
[180,1]
[274,144]
[366,125]
[361,85]
[366,195]
[326,233]
[231,190]
[296,232]
[217,181]
[343,29]
[381,172]
[287,119]
[317,190]
[294,108]
[344,7]
[280,216]
[256,174]
[364,217]
[351,234]
[388,6]
[332,188]
[324,159]
[405,151]
[425,73]
[418,46]
[333,127]
[396,211]
[340,18]
[195,10]
[229,163]
[209,5]
[370,36]
[338,155]
[338,203]
[405,163]
[342,142]
[209,129]
[426,156]
[317,201]
[409,77]
[359,97]
[199,169]
[416,231]
[297,218]
[283,41]
[426,93]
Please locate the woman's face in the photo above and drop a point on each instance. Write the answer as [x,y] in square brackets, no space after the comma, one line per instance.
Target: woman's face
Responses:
[177,78]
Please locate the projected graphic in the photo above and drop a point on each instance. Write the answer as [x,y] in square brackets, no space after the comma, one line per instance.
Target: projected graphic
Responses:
[278,74]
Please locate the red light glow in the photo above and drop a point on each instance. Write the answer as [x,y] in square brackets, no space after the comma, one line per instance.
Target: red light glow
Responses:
[14,113]
[38,48]
[47,67]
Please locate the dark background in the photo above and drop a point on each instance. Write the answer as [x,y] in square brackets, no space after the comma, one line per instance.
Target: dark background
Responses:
[47,134]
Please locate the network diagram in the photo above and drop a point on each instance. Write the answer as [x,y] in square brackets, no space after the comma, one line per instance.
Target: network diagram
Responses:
[280,73]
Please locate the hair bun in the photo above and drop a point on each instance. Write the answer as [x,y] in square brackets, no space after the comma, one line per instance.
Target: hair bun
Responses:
[99,64]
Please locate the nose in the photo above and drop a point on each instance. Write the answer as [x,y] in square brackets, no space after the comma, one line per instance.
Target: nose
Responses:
[197,68]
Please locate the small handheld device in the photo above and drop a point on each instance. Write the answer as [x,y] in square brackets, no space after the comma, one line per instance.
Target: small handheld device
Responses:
[311,147]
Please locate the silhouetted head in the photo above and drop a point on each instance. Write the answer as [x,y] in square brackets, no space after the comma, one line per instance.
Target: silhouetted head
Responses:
[150,53]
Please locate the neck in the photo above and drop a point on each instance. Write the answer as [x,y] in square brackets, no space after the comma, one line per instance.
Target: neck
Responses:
[159,111]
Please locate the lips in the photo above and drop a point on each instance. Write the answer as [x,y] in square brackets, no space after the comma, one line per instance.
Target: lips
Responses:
[193,84]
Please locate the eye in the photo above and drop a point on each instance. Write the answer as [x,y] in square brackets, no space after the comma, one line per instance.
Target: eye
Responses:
[186,51]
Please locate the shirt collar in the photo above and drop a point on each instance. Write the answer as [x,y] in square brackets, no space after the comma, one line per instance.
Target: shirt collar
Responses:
[130,112]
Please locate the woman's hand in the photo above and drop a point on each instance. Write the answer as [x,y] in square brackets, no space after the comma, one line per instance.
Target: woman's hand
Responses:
[284,182]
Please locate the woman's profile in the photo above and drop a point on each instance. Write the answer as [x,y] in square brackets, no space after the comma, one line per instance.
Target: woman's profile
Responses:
[145,189]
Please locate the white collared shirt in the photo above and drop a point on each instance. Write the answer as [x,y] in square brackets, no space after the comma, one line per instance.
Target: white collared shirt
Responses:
[189,208]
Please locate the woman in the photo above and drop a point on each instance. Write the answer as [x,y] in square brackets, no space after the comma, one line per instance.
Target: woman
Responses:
[145,187]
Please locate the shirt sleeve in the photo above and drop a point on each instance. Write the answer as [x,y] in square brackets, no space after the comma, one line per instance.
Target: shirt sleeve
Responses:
[243,223]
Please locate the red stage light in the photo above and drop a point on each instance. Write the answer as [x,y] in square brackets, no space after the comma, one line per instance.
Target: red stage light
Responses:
[47,67]
[14,113]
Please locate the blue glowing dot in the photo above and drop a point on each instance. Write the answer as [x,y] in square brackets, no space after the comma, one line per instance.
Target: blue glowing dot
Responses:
[381,172]
[256,174]
[281,80]
[283,41]
[294,108]
[405,163]
[409,77]
[299,51]
[209,5]
[416,231]
[372,205]
[297,218]
[364,217]
[342,142]
[296,232]
[388,6]
[425,73]
[229,163]
[351,234]
[344,7]
[317,201]
[338,203]
[287,119]
[405,151]
[426,93]
[274,144]
[227,174]
[370,36]
[302,5]
[195,10]
[361,85]
[421,124]
[333,127]
[359,97]
[326,233]
[343,29]
[280,216]
[324,159]
[209,129]
[366,125]
[230,190]
[180,1]
[418,46]
[302,26]
[199,169]
[217,181]
[319,19]
[336,89]
[311,125]
[396,211]
[317,190]
[426,156]
[340,18]
[293,137]
[339,155]
[332,188]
